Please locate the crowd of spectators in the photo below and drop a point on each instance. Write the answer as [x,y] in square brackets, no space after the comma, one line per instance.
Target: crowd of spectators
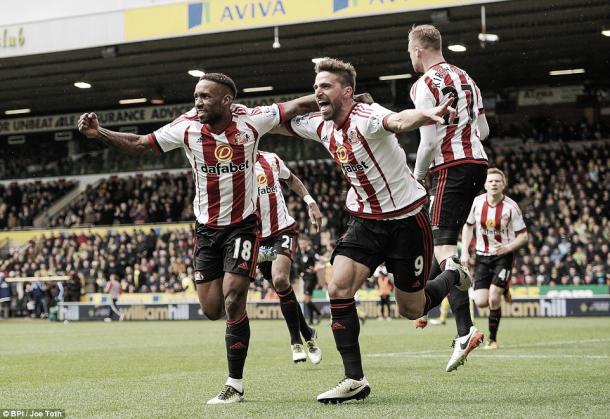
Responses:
[144,261]
[50,158]
[561,188]
[131,200]
[564,194]
[21,203]
[542,129]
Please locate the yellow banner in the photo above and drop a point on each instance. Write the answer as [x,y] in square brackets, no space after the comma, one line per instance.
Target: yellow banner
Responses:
[190,18]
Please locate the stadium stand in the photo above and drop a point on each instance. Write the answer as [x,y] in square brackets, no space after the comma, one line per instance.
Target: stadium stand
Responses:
[21,203]
[568,221]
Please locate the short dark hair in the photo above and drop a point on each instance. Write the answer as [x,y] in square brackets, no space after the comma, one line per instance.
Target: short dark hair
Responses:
[345,71]
[221,79]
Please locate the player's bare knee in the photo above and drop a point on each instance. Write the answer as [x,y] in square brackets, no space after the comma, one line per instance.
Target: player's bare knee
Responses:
[234,303]
[494,303]
[280,283]
[411,313]
[481,302]
[335,290]
[214,314]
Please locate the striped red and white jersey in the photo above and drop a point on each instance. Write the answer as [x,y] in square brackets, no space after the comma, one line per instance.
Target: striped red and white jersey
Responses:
[461,140]
[223,163]
[372,161]
[270,169]
[494,225]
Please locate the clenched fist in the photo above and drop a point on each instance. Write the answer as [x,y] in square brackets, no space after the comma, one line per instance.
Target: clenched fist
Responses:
[89,125]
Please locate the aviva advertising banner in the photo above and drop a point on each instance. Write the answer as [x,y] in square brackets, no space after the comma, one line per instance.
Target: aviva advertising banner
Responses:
[195,17]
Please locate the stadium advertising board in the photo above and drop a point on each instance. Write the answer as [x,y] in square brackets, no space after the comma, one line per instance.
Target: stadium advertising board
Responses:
[189,18]
[118,117]
[270,310]
[560,291]
[533,96]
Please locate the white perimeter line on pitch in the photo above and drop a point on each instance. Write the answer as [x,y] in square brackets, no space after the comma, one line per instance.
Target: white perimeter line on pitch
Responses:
[497,356]
[530,345]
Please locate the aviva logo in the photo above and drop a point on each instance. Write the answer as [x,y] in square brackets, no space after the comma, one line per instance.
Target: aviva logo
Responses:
[339,5]
[199,13]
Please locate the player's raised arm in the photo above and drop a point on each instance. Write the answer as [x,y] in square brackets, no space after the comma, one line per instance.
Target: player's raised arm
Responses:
[410,119]
[295,184]
[299,106]
[89,125]
[483,126]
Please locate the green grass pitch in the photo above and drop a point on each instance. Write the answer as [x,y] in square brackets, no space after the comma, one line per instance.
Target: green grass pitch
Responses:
[544,368]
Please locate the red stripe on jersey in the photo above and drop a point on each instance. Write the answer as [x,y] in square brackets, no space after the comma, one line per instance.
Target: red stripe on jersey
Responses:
[365,183]
[484,225]
[272,197]
[195,174]
[432,88]
[498,222]
[332,147]
[212,180]
[446,148]
[448,80]
[370,153]
[238,178]
[282,110]
[154,144]
[319,130]
[466,133]
[254,131]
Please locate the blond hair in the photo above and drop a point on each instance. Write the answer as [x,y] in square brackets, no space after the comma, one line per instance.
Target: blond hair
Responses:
[495,171]
[345,71]
[427,36]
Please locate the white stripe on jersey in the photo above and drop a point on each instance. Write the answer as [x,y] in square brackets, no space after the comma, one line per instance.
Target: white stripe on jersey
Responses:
[494,225]
[372,161]
[223,163]
[459,141]
[271,204]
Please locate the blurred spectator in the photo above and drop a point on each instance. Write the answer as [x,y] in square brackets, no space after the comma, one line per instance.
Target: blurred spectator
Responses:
[21,203]
[6,295]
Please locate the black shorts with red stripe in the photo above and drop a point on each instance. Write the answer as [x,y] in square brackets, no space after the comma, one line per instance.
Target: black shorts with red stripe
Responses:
[228,249]
[283,243]
[493,270]
[405,245]
[453,191]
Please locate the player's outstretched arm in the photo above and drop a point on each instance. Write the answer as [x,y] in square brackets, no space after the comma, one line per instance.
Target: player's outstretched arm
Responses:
[425,151]
[299,106]
[483,126]
[410,119]
[89,125]
[295,184]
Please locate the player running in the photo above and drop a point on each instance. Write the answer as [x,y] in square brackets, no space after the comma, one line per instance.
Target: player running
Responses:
[279,235]
[220,140]
[499,230]
[385,202]
[455,157]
